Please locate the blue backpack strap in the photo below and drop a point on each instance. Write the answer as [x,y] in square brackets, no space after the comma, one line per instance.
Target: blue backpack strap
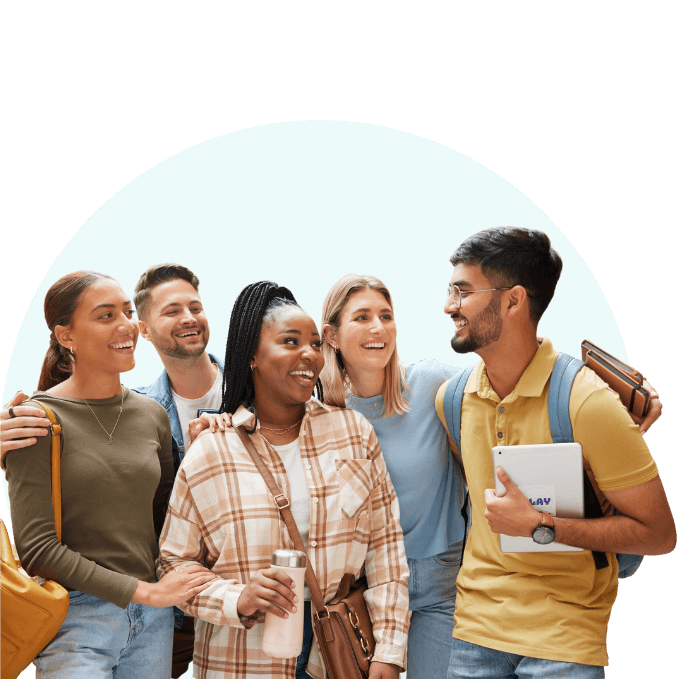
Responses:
[562,378]
[453,399]
[565,370]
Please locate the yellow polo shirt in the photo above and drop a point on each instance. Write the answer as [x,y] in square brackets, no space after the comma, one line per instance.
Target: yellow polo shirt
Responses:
[553,605]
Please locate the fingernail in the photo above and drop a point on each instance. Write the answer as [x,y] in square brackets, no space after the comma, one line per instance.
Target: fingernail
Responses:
[294,609]
[296,599]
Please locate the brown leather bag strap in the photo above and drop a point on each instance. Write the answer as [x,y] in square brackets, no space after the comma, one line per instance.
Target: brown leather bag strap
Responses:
[283,505]
[55,466]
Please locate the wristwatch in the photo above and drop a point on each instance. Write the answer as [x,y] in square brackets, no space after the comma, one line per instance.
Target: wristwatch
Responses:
[544,534]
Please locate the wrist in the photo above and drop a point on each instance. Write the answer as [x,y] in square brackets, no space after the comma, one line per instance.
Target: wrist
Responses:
[544,533]
[535,520]
[143,594]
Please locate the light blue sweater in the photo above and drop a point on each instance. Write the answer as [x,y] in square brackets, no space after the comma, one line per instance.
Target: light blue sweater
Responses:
[428,481]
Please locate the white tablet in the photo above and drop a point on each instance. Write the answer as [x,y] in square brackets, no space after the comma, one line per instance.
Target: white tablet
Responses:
[551,477]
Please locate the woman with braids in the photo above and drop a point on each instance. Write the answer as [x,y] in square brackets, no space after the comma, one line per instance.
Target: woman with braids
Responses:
[326,460]
[116,472]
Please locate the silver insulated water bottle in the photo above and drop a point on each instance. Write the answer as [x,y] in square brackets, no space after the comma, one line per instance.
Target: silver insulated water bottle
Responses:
[283,636]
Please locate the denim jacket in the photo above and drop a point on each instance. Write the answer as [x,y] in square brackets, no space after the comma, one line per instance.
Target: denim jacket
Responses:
[160,391]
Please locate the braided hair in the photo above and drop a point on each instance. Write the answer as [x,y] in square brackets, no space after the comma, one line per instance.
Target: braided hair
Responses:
[257,303]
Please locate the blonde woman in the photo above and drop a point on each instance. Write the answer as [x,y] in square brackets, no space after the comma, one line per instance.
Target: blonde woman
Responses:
[362,371]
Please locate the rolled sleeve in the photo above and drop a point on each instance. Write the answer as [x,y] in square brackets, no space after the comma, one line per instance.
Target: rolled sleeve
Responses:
[386,567]
[182,544]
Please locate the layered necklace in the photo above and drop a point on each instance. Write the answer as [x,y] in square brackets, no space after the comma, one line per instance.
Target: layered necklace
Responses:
[280,431]
[109,435]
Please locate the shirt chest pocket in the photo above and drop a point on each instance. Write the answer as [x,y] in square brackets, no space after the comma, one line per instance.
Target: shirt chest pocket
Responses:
[354,480]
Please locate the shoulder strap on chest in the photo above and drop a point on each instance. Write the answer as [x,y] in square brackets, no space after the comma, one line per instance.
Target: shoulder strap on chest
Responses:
[453,399]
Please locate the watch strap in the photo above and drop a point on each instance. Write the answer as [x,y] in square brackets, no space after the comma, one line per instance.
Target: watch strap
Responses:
[545,519]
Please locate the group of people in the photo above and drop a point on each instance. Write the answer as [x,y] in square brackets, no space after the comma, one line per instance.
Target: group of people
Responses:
[162,507]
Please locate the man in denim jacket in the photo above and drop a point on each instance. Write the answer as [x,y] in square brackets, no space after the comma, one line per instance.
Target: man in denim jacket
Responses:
[171,316]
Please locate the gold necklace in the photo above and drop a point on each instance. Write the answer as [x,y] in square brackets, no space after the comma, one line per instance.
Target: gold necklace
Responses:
[280,431]
[111,440]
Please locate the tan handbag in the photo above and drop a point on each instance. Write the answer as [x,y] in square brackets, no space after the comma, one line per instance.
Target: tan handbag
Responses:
[342,627]
[31,613]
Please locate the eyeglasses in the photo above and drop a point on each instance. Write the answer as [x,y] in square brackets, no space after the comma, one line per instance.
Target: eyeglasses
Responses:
[454,292]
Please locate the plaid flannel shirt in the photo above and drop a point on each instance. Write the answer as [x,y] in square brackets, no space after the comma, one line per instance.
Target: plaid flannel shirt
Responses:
[222,516]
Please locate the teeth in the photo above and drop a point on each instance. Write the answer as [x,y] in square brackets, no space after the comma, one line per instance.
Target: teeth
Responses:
[304,373]
[189,334]
[374,345]
[460,323]
[123,345]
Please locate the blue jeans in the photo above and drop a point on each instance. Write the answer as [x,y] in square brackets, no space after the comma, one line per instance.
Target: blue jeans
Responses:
[432,598]
[469,661]
[307,641]
[99,639]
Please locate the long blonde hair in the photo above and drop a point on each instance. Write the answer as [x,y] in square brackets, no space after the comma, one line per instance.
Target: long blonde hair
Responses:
[333,373]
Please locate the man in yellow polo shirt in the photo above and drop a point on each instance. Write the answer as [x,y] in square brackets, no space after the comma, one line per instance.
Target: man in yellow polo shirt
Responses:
[534,615]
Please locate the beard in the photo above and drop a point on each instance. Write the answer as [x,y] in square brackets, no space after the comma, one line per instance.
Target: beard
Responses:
[169,347]
[484,329]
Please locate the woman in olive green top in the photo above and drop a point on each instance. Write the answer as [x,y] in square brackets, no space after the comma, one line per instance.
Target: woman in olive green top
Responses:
[117,473]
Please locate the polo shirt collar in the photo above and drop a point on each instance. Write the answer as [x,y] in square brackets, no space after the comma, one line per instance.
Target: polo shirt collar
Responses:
[531,382]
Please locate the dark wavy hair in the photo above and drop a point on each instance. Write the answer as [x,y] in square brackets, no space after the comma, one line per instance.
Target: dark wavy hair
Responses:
[510,255]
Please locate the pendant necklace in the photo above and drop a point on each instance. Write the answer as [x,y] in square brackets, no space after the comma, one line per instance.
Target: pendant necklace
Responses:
[111,440]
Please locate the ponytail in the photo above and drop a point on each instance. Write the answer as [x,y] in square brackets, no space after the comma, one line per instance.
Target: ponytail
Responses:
[60,303]
[57,366]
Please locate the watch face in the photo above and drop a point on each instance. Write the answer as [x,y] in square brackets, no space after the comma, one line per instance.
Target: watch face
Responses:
[544,535]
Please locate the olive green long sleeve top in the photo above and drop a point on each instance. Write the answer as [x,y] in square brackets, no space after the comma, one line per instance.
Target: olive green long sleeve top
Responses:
[114,497]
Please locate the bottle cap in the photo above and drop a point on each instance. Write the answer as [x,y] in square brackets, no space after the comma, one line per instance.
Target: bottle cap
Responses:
[289,557]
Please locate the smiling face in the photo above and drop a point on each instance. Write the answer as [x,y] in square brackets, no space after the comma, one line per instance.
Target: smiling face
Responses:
[288,359]
[366,334]
[102,332]
[478,322]
[174,320]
